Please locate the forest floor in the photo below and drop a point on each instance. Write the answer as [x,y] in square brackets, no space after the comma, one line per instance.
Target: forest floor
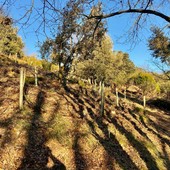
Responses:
[59,129]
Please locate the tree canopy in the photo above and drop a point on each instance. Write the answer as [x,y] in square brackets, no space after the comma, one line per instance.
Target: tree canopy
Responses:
[48,13]
[160,45]
[145,81]
[75,37]
[10,42]
[106,65]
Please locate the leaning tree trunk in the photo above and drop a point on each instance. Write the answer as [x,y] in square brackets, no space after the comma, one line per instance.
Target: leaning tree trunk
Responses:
[22,82]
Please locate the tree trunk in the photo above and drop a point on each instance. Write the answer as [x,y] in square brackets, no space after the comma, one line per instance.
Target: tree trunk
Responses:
[22,82]
[64,81]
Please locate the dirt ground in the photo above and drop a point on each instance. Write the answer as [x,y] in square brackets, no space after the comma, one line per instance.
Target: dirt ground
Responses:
[60,129]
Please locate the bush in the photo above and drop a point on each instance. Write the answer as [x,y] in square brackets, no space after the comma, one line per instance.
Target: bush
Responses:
[46,65]
[81,84]
[138,110]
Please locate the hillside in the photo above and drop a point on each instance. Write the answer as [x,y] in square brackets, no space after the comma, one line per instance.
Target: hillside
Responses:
[60,129]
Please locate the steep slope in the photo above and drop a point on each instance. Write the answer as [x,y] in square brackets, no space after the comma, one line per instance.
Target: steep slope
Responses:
[60,129]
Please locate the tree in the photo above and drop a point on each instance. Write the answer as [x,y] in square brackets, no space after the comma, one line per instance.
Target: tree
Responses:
[10,42]
[47,50]
[146,83]
[91,34]
[106,65]
[160,45]
[139,12]
[61,49]
[123,69]
[75,38]
[100,66]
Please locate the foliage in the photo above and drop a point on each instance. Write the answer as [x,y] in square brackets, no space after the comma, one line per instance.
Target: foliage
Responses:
[165,86]
[106,65]
[76,37]
[99,67]
[160,45]
[46,50]
[91,33]
[31,60]
[46,65]
[146,82]
[123,68]
[10,42]
[81,84]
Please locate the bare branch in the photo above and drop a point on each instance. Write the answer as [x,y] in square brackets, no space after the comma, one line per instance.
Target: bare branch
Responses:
[97,24]
[28,13]
[162,68]
[142,11]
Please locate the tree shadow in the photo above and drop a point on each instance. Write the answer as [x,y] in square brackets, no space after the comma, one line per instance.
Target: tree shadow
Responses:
[133,99]
[157,132]
[6,137]
[7,125]
[166,156]
[135,126]
[112,146]
[79,158]
[109,142]
[160,104]
[109,162]
[36,154]
[142,150]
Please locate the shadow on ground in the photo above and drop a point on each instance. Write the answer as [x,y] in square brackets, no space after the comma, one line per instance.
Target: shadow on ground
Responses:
[36,154]
[109,141]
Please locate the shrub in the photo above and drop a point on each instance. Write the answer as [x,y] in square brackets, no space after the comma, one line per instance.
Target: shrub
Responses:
[46,65]
[81,84]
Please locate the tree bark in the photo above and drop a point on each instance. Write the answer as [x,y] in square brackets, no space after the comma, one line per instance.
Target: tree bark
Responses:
[141,11]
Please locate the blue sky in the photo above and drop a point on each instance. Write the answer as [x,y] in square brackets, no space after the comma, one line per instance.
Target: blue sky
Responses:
[139,53]
[117,28]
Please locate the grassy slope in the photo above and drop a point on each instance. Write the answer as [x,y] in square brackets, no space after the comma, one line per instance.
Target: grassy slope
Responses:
[64,130]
